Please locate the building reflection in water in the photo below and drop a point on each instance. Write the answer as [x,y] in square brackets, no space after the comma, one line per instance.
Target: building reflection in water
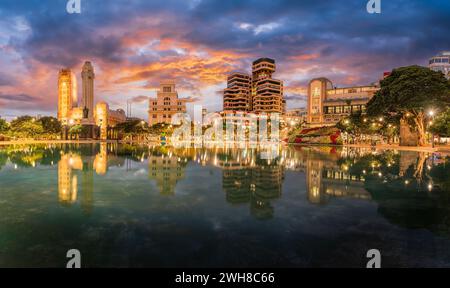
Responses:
[246,178]
[67,180]
[166,169]
[78,163]
[325,179]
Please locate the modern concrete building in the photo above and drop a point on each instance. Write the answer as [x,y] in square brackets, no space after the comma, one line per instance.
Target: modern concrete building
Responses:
[67,95]
[441,63]
[87,101]
[237,95]
[267,93]
[327,105]
[257,93]
[166,104]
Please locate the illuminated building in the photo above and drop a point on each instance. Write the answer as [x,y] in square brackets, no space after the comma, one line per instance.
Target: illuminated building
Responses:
[441,63]
[67,95]
[327,105]
[87,101]
[69,113]
[237,95]
[267,93]
[166,104]
[106,118]
[258,93]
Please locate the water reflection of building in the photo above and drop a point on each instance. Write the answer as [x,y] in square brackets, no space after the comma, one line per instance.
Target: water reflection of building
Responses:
[244,182]
[72,167]
[166,170]
[67,180]
[325,179]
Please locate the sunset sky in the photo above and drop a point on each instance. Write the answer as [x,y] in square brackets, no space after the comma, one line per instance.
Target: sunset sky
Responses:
[133,44]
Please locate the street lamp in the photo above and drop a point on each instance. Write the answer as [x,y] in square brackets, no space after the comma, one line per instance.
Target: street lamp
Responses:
[431,114]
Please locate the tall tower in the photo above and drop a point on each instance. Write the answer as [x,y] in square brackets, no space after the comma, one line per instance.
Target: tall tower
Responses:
[87,76]
[237,95]
[67,95]
[267,93]
[317,94]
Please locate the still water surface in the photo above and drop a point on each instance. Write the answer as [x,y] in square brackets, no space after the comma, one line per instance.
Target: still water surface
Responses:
[139,206]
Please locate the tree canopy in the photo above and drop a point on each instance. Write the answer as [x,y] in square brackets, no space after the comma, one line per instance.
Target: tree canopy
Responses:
[410,89]
[4,126]
[50,124]
[408,92]
[441,125]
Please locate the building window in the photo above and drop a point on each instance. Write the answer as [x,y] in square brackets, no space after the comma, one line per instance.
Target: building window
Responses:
[167,89]
[338,110]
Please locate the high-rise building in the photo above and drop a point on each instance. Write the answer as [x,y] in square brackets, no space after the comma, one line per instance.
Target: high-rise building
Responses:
[166,104]
[441,63]
[67,95]
[257,93]
[267,93]
[327,105]
[87,77]
[237,95]
[70,113]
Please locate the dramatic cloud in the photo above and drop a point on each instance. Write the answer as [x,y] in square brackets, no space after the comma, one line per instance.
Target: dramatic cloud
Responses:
[17,97]
[136,44]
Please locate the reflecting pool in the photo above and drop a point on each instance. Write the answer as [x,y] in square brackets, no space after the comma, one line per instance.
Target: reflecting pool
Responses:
[140,206]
